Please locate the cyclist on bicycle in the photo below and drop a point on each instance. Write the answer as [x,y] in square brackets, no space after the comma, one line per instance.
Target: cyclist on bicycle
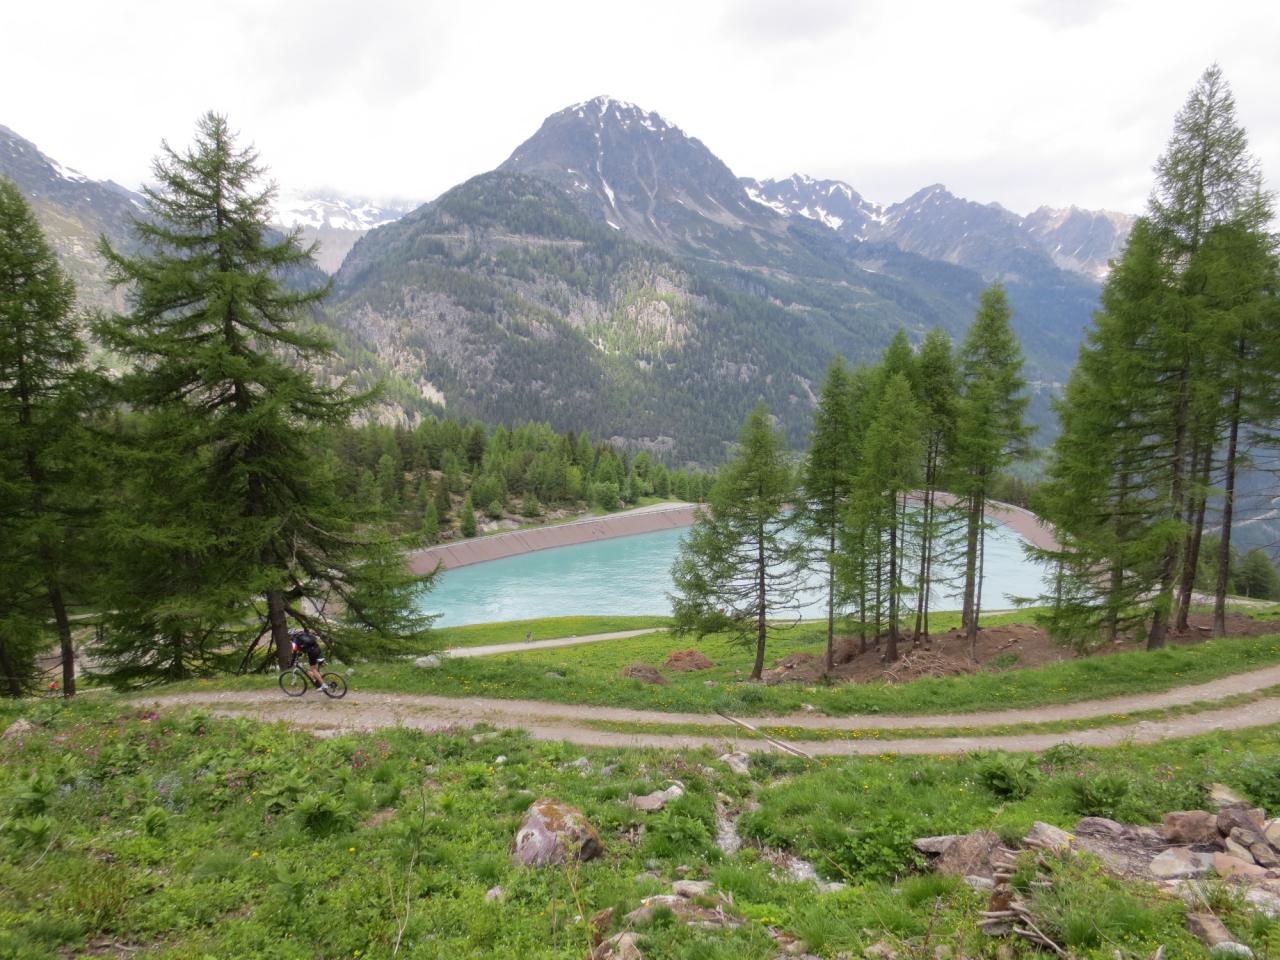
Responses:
[304,642]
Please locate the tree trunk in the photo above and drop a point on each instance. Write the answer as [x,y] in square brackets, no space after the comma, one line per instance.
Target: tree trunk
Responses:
[973,588]
[279,628]
[757,670]
[926,540]
[1169,565]
[891,648]
[1228,508]
[1191,547]
[862,604]
[971,559]
[878,585]
[59,606]
[10,668]
[831,601]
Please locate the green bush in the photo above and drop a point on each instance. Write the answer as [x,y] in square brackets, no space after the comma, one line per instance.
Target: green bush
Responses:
[1098,794]
[1009,777]
[1260,779]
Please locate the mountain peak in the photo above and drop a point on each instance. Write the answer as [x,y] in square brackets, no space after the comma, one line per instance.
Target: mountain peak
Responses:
[606,109]
[639,173]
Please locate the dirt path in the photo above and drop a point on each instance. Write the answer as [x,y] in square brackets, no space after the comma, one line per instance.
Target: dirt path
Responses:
[555,721]
[492,649]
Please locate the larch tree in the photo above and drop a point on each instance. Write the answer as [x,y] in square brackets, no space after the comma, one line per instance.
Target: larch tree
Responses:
[889,470]
[990,430]
[828,479]
[738,569]
[45,491]
[1206,178]
[232,429]
[938,393]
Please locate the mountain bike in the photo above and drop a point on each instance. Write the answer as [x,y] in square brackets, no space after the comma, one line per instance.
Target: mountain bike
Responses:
[295,681]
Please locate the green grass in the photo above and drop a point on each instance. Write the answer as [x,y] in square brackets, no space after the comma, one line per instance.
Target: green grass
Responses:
[177,835]
[545,628]
[590,674]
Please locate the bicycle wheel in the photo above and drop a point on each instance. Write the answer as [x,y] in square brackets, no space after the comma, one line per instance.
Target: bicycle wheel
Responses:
[293,683]
[334,685]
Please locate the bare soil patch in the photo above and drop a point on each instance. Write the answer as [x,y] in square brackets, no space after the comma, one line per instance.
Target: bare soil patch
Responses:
[686,661]
[1018,646]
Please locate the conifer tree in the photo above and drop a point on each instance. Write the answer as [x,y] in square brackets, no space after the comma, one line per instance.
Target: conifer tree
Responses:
[232,429]
[938,393]
[44,492]
[990,432]
[828,479]
[1206,178]
[889,470]
[467,518]
[737,569]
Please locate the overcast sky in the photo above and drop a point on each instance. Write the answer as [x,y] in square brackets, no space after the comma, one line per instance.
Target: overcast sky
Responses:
[1019,101]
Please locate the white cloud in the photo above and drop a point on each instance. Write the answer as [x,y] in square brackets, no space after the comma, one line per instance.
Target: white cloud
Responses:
[1020,101]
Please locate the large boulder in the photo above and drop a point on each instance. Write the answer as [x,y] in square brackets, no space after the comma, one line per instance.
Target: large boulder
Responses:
[1191,826]
[554,832]
[1240,817]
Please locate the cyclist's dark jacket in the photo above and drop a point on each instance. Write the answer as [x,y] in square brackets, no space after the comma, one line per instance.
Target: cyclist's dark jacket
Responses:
[304,642]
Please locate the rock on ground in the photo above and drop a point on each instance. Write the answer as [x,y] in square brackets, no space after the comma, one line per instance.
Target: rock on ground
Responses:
[1191,826]
[621,946]
[655,801]
[935,845]
[737,761]
[644,673]
[1178,862]
[1045,836]
[429,662]
[19,728]
[969,855]
[552,833]
[1210,931]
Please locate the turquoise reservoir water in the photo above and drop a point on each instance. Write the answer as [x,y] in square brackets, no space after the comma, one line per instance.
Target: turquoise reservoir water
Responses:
[632,575]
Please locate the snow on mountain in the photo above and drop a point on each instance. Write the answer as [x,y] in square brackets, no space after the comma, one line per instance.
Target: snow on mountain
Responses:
[334,222]
[317,209]
[830,202]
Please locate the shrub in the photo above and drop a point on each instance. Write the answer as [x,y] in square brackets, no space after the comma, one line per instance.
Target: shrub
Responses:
[1009,778]
[1260,779]
[1099,794]
[673,835]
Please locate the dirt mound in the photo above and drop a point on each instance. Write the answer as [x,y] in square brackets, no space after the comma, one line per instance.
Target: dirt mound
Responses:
[644,673]
[684,661]
[800,667]
[927,663]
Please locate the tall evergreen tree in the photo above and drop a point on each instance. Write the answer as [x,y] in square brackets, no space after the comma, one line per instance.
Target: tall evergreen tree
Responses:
[889,470]
[828,478]
[738,569]
[219,349]
[1205,178]
[991,433]
[938,392]
[43,490]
